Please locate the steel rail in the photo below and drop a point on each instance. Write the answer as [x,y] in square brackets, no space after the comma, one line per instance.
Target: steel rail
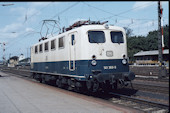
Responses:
[151,87]
[139,100]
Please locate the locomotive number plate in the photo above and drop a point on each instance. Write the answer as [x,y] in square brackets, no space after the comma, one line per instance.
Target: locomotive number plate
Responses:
[109,67]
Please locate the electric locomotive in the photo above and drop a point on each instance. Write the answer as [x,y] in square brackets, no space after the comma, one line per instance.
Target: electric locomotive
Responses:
[88,54]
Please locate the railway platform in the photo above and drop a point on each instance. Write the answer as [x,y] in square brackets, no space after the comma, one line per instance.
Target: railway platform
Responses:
[18,95]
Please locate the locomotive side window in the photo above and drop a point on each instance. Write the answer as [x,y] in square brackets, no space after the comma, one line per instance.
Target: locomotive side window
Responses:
[46,46]
[96,36]
[36,49]
[116,36]
[53,44]
[40,48]
[72,40]
[61,42]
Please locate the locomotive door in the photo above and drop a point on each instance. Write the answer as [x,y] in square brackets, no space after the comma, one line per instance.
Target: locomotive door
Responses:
[72,37]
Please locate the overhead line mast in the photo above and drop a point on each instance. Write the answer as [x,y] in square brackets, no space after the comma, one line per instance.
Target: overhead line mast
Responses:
[162,70]
[161,11]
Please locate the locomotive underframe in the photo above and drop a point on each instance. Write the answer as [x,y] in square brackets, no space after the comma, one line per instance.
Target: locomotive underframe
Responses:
[94,83]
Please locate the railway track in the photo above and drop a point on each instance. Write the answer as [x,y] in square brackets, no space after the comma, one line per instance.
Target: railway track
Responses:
[140,104]
[115,98]
[155,78]
[158,88]
[138,85]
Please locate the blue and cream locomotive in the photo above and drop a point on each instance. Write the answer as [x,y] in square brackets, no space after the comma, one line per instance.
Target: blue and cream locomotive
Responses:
[88,54]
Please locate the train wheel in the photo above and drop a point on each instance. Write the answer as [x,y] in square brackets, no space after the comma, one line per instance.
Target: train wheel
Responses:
[106,87]
[43,80]
[33,75]
[95,86]
[114,86]
[89,85]
[70,84]
[58,83]
[78,87]
[40,78]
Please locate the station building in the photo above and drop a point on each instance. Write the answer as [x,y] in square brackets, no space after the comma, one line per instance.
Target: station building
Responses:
[151,57]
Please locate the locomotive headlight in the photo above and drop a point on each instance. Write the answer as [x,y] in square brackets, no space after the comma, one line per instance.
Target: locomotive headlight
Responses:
[124,61]
[93,62]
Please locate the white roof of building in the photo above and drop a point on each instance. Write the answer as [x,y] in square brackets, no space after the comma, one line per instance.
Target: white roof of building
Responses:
[154,52]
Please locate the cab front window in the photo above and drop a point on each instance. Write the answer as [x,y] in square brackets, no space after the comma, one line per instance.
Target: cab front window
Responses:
[96,36]
[116,36]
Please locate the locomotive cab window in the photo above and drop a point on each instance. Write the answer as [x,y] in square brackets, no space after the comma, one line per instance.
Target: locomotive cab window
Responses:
[52,44]
[96,36]
[116,36]
[46,46]
[40,48]
[61,42]
[36,49]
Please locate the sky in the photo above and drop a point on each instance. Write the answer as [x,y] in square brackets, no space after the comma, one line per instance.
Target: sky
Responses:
[22,25]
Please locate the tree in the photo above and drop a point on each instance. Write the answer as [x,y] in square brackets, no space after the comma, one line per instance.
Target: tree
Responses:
[166,36]
[128,32]
[152,40]
[134,45]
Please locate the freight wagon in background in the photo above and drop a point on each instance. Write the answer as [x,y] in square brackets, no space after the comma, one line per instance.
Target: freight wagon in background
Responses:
[87,55]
